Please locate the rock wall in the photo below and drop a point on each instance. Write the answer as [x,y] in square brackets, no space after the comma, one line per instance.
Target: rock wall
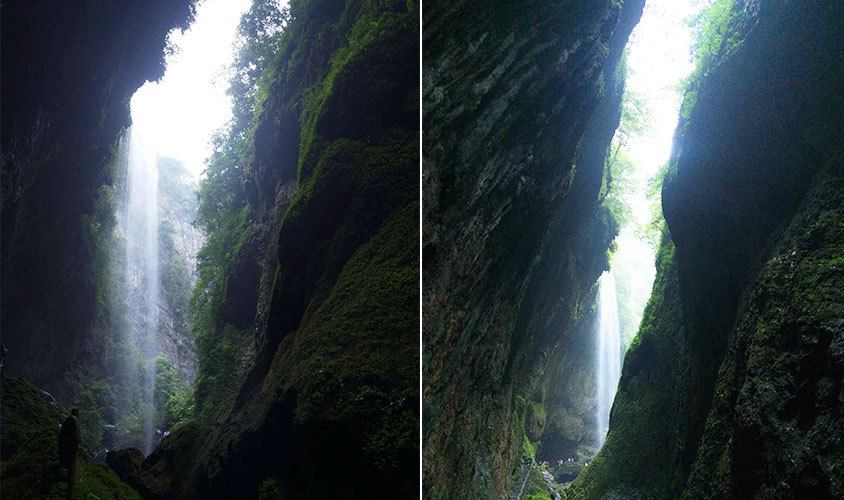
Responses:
[325,274]
[733,388]
[179,241]
[69,70]
[519,106]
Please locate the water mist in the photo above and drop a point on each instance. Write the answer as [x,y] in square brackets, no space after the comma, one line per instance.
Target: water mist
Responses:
[141,271]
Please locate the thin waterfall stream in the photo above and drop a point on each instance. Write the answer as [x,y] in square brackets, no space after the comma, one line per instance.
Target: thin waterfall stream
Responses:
[161,158]
[658,59]
[608,367]
[140,225]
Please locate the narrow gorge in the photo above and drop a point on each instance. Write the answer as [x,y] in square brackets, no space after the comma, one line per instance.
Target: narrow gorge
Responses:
[733,385]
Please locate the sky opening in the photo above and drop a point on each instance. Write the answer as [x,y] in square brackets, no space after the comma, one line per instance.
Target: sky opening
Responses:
[180,112]
[659,58]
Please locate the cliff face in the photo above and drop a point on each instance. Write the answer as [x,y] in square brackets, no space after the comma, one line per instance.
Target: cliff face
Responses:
[179,243]
[733,388]
[519,106]
[322,283]
[68,73]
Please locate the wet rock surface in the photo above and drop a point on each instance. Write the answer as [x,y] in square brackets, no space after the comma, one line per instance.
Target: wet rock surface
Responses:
[519,106]
[733,387]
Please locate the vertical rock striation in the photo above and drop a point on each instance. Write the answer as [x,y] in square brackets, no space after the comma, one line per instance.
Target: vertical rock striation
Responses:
[519,106]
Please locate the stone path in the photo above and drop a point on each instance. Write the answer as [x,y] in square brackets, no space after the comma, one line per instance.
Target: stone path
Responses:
[517,491]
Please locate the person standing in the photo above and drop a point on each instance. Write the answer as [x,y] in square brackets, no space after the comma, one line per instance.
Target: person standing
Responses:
[68,447]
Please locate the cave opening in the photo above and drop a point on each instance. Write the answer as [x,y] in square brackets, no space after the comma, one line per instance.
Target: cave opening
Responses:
[160,162]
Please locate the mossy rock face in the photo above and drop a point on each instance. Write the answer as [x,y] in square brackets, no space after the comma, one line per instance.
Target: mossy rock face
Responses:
[540,485]
[30,467]
[328,404]
[776,419]
[513,236]
[732,387]
[535,420]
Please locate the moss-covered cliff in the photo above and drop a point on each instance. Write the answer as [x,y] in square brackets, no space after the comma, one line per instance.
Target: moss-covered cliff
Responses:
[733,388]
[30,420]
[306,310]
[519,106]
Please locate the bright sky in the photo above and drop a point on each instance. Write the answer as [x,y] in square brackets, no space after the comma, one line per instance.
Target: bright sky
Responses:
[180,112]
[659,58]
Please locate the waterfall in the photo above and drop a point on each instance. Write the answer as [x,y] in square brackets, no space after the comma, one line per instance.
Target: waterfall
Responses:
[140,226]
[608,367]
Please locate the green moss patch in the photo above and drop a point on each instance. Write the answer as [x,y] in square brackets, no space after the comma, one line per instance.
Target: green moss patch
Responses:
[30,466]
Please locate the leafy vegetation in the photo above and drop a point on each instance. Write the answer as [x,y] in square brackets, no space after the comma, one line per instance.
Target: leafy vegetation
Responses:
[223,212]
[715,36]
[529,448]
[618,464]
[173,397]
[654,230]
[712,33]
[619,169]
[337,274]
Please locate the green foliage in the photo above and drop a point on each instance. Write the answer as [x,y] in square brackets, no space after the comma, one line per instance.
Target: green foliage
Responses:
[529,448]
[180,408]
[223,212]
[176,190]
[641,414]
[633,286]
[98,481]
[224,216]
[354,352]
[131,426]
[371,29]
[90,419]
[218,345]
[618,183]
[174,277]
[636,115]
[99,389]
[177,208]
[172,396]
[219,353]
[655,229]
[535,487]
[523,445]
[716,34]
[355,218]
[712,36]
[259,41]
